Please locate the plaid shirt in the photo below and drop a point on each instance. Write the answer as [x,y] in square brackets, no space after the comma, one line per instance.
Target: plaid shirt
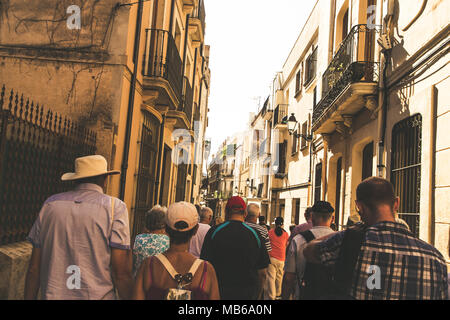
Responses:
[409,268]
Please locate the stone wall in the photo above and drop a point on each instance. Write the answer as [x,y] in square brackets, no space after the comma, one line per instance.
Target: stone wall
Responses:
[14,259]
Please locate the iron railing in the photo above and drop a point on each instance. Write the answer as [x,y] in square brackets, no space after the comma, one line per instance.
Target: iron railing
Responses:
[348,66]
[188,98]
[199,13]
[36,147]
[162,59]
[279,114]
[406,158]
[145,187]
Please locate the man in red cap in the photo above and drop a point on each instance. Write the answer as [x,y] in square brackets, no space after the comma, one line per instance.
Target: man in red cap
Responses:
[237,253]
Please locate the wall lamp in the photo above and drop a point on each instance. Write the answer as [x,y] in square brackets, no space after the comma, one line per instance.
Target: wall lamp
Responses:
[292,128]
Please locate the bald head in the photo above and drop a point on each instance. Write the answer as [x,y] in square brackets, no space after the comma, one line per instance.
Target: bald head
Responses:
[253,212]
[206,215]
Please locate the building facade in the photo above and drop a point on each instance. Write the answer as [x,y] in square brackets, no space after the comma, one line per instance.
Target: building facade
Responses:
[366,86]
[136,73]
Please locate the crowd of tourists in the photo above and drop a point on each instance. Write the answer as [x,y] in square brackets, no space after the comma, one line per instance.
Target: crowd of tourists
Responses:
[82,250]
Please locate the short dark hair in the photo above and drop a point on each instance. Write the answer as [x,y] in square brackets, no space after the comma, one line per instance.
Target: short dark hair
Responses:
[308,212]
[177,237]
[155,219]
[262,219]
[322,210]
[375,191]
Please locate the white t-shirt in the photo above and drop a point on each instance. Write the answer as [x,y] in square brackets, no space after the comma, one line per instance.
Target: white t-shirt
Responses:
[295,261]
[196,244]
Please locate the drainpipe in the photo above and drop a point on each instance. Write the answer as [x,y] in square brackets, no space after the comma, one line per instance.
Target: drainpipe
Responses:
[131,98]
[172,9]
[384,108]
[432,173]
[332,24]
[186,35]
[193,126]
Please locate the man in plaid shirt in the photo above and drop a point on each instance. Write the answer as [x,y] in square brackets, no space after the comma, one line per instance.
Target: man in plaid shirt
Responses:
[392,263]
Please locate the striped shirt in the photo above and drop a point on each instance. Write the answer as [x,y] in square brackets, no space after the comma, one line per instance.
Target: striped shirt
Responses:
[263,233]
[392,265]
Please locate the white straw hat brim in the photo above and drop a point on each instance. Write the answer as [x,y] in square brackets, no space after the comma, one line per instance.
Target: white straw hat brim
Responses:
[74,176]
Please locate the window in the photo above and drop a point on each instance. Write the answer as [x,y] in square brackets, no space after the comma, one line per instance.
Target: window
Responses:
[406,168]
[281,157]
[295,219]
[260,190]
[295,139]
[181,183]
[318,183]
[311,66]
[304,142]
[345,25]
[299,80]
[367,162]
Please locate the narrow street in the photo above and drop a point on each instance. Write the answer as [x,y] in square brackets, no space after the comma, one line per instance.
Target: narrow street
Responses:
[239,150]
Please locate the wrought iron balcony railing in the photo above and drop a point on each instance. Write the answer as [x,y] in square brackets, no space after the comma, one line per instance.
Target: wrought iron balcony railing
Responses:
[279,114]
[348,66]
[188,97]
[162,59]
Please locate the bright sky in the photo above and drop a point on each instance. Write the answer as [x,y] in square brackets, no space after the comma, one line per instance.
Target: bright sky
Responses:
[250,41]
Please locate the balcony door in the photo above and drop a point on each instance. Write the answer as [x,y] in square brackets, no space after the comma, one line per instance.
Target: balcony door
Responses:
[369,46]
[338,192]
[318,183]
[145,188]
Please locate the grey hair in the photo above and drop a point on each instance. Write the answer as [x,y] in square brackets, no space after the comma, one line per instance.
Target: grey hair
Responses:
[155,219]
[204,212]
[252,210]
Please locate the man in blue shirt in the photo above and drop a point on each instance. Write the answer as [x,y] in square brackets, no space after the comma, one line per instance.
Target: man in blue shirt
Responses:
[237,253]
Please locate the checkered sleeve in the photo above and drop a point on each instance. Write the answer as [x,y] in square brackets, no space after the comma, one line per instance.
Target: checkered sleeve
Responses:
[329,249]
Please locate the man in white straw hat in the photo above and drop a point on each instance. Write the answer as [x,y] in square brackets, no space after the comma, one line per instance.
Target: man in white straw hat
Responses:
[81,240]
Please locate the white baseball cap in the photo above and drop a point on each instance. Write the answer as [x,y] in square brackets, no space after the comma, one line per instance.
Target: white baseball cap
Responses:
[182,216]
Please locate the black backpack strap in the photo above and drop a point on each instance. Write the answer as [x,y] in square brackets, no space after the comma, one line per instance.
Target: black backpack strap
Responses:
[308,235]
[348,256]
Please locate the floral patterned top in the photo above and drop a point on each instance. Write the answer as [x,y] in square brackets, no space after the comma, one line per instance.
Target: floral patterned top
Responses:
[147,245]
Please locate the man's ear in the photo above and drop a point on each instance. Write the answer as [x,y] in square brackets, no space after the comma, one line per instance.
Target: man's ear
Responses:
[396,204]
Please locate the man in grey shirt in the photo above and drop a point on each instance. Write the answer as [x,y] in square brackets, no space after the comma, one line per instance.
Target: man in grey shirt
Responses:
[253,212]
[81,241]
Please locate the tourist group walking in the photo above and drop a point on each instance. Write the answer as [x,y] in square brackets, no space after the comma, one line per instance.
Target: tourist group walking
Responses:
[82,250]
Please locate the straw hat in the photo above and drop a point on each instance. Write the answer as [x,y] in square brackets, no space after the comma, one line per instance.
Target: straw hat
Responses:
[89,167]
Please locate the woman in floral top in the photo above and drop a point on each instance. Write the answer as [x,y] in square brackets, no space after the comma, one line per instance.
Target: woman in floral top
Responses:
[155,241]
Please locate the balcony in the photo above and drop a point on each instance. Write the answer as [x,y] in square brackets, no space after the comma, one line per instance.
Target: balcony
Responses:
[197,22]
[349,84]
[162,69]
[279,116]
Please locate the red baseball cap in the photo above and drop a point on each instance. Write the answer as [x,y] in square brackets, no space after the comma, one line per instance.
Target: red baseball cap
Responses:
[236,203]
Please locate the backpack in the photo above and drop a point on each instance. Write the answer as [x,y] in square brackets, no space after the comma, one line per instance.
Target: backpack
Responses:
[182,280]
[317,279]
[324,283]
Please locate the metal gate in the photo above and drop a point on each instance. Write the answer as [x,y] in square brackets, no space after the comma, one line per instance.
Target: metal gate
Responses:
[145,190]
[406,168]
[36,147]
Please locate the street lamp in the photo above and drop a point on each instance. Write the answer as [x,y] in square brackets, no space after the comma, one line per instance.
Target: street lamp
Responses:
[292,127]
[248,184]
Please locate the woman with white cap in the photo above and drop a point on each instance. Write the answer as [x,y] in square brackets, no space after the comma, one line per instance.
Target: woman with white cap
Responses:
[177,274]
